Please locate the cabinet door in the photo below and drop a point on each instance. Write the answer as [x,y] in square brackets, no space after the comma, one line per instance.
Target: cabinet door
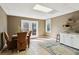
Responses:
[62,38]
[68,40]
[76,42]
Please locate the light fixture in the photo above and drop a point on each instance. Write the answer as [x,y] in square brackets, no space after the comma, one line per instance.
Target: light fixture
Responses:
[42,8]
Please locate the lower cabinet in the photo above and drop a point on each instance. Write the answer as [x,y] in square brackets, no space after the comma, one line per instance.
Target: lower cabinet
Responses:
[71,40]
[76,42]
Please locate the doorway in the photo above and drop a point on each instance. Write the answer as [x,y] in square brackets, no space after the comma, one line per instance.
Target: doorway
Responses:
[27,25]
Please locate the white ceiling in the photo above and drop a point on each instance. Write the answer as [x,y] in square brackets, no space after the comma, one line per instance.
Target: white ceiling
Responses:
[26,9]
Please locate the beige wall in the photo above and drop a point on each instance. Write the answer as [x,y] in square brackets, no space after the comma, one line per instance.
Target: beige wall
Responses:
[3,22]
[14,24]
[58,22]
[41,27]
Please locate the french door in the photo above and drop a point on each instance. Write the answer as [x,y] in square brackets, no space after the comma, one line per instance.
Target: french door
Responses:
[27,25]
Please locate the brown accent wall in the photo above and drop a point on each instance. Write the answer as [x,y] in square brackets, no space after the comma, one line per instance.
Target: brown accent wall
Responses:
[14,24]
[3,22]
[58,22]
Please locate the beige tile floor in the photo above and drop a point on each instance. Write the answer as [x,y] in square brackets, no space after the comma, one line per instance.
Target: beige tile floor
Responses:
[34,49]
[37,47]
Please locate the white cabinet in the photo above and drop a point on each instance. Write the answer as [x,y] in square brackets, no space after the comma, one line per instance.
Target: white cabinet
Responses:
[62,40]
[68,42]
[71,40]
[76,42]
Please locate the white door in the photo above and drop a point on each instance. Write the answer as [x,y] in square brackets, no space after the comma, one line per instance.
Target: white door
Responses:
[27,25]
[34,28]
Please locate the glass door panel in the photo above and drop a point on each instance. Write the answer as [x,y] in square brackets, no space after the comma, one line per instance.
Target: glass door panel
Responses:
[24,26]
[33,29]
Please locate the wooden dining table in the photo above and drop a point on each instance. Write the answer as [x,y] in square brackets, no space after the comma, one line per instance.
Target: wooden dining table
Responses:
[14,36]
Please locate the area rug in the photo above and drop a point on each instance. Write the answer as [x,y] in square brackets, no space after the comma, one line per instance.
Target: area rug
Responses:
[55,48]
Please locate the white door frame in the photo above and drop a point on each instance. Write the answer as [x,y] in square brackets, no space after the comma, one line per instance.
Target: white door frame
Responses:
[36,28]
[30,26]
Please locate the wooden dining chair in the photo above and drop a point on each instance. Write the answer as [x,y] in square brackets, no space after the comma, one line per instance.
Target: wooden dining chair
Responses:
[21,41]
[11,44]
[28,38]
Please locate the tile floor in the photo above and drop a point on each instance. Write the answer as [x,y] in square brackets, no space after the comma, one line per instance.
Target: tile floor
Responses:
[35,48]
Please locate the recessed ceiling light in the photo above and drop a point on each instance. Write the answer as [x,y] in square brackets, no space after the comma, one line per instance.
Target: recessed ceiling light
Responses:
[42,8]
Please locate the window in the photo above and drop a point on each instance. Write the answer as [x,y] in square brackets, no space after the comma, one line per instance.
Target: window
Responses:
[48,25]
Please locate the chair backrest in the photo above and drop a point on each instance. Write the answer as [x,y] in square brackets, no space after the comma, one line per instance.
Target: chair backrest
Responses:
[21,40]
[29,33]
[28,37]
[5,39]
[6,36]
[22,35]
